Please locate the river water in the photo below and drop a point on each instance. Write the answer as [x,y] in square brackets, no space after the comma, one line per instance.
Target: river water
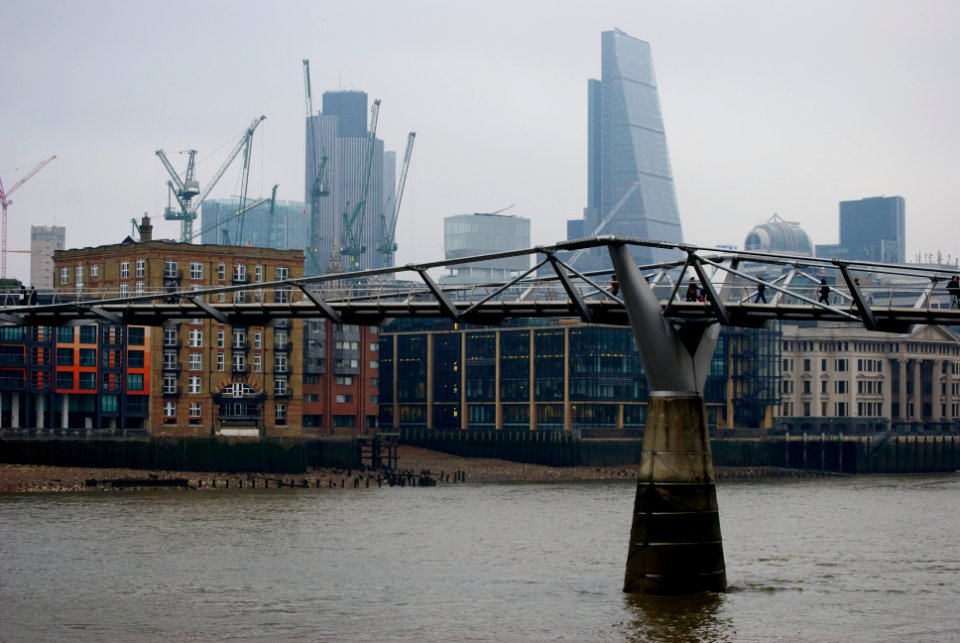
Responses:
[868,558]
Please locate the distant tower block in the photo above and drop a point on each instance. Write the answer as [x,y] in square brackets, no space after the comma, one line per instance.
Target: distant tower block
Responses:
[44,240]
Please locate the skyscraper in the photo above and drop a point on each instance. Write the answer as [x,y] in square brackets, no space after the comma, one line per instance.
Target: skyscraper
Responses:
[873,229]
[340,136]
[630,187]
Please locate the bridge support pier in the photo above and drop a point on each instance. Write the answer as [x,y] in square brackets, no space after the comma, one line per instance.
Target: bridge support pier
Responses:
[675,542]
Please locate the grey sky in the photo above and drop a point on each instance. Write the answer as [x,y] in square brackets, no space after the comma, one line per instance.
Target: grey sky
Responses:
[786,107]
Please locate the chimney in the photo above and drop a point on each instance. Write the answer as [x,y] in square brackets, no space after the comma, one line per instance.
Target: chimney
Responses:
[146,229]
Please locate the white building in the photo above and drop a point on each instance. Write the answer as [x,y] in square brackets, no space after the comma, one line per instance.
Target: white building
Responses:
[44,240]
[468,235]
[849,379]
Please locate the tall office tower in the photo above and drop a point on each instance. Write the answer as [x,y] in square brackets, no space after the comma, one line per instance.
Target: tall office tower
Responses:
[872,229]
[466,235]
[630,187]
[341,144]
[43,241]
[283,225]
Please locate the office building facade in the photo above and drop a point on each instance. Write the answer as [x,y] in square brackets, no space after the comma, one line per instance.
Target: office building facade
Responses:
[282,225]
[871,229]
[556,375]
[468,235]
[44,241]
[630,187]
[341,143]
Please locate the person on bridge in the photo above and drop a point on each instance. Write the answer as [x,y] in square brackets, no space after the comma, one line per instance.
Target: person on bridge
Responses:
[692,290]
[761,293]
[953,287]
[824,292]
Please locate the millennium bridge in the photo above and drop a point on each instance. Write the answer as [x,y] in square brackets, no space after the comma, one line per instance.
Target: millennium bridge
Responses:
[675,310]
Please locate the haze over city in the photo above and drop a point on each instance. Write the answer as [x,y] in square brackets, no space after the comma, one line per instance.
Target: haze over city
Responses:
[786,107]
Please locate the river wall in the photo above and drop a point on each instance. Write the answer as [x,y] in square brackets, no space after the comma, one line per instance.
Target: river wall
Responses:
[190,454]
[882,453]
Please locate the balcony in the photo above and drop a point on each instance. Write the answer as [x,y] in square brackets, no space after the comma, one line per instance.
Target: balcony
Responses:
[172,367]
[240,369]
[284,347]
[286,392]
[172,391]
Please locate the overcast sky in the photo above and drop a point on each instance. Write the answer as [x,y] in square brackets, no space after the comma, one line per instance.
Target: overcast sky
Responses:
[769,106]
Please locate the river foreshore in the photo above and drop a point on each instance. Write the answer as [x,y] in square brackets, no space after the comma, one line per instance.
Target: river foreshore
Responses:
[417,467]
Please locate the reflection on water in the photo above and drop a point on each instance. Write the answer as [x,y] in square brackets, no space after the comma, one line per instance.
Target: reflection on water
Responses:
[864,559]
[674,619]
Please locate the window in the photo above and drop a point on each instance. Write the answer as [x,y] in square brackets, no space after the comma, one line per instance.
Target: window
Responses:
[220,362]
[169,409]
[138,288]
[806,365]
[240,297]
[239,338]
[194,384]
[195,338]
[280,413]
[344,398]
[88,381]
[64,379]
[65,334]
[257,364]
[141,265]
[169,359]
[64,276]
[136,336]
[282,295]
[374,364]
[280,363]
[806,387]
[64,357]
[169,336]
[88,334]
[220,338]
[134,358]
[196,361]
[196,270]
[240,272]
[258,273]
[94,270]
[135,381]
[124,291]
[239,363]
[79,275]
[124,269]
[823,386]
[280,338]
[374,347]
[221,271]
[282,273]
[280,386]
[841,386]
[169,385]
[344,380]
[194,409]
[258,340]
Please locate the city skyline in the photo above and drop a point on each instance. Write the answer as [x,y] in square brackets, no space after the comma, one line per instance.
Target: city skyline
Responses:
[793,116]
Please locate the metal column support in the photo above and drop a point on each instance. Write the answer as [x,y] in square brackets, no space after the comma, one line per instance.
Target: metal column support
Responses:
[675,542]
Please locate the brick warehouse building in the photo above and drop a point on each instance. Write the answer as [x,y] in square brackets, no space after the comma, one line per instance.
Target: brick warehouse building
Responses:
[201,377]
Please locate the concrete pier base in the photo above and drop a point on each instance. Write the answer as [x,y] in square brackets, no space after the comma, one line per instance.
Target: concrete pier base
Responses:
[675,544]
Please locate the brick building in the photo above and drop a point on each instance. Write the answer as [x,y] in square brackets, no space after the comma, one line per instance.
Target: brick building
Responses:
[203,377]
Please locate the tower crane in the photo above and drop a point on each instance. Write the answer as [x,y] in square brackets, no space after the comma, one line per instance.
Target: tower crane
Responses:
[603,223]
[316,177]
[6,202]
[388,244]
[184,190]
[352,227]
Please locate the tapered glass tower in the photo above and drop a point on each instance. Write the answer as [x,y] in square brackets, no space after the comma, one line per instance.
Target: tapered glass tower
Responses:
[630,181]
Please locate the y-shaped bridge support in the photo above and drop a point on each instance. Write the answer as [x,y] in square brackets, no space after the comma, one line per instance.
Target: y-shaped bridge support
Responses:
[675,544]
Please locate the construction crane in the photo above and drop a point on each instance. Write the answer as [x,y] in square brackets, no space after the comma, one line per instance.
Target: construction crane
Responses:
[239,213]
[184,190]
[603,223]
[388,244]
[352,225]
[6,202]
[317,186]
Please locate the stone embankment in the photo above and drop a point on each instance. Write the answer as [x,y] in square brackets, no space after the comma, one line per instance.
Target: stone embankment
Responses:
[418,467]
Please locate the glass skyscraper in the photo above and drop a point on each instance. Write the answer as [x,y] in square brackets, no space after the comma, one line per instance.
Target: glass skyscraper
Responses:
[630,187]
[872,229]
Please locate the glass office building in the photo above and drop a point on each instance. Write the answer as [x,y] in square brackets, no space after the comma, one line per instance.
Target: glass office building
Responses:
[284,226]
[630,186]
[871,229]
[556,375]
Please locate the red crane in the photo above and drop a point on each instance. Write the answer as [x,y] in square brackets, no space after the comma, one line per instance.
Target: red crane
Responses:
[5,202]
